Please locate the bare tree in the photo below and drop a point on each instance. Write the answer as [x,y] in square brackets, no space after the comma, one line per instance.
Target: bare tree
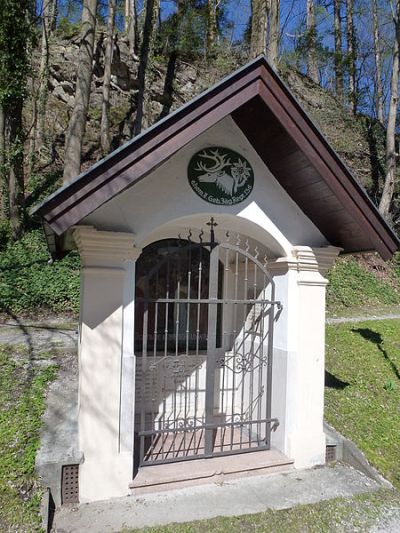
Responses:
[149,35]
[338,48]
[258,39]
[3,174]
[131,25]
[105,107]
[312,64]
[391,156]
[77,125]
[16,185]
[273,33]
[212,31]
[49,9]
[378,64]
[351,54]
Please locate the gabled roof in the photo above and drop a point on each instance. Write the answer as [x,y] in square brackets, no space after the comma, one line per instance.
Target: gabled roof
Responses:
[280,131]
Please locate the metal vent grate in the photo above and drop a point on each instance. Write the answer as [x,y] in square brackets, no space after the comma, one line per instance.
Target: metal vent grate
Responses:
[331,453]
[70,484]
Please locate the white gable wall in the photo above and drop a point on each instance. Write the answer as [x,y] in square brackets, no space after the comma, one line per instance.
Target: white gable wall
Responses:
[166,195]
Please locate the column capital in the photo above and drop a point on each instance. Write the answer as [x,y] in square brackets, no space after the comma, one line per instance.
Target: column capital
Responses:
[99,247]
[307,260]
[326,257]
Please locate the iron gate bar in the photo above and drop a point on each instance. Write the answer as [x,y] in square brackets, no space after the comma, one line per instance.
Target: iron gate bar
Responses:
[211,351]
[149,462]
[208,301]
[211,426]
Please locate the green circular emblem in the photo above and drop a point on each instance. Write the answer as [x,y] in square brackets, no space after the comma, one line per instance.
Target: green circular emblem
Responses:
[220,176]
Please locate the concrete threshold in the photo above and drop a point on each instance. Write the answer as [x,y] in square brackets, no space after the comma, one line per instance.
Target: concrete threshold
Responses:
[231,498]
[177,475]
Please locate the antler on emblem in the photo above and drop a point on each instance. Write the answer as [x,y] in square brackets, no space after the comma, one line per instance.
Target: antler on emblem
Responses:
[220,162]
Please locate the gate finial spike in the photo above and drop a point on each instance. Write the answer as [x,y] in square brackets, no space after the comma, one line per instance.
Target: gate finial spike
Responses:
[189,237]
[228,236]
[256,252]
[201,235]
[247,245]
[238,239]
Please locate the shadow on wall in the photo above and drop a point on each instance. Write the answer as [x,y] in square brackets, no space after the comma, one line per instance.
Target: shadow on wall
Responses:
[376,338]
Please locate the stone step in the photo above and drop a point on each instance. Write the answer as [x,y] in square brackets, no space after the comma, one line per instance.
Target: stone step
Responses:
[161,477]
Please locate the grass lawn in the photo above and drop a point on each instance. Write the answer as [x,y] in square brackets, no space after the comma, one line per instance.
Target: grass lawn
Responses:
[364,401]
[22,391]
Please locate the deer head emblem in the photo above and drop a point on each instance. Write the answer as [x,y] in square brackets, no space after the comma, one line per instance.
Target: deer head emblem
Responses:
[213,169]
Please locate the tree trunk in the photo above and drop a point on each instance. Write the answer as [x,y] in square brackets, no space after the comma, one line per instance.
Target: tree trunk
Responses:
[351,53]
[33,129]
[127,15]
[77,126]
[105,109]
[211,27]
[378,65]
[149,35]
[391,156]
[258,39]
[3,174]
[312,64]
[169,84]
[338,49]
[54,15]
[273,33]
[16,168]
[47,22]
[131,26]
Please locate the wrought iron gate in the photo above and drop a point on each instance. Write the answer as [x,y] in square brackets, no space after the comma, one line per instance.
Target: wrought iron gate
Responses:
[205,313]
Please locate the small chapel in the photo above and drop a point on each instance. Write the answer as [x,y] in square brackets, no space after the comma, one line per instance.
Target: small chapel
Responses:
[205,243]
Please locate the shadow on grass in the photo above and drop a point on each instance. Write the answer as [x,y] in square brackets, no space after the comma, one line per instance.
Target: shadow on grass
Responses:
[333,382]
[376,338]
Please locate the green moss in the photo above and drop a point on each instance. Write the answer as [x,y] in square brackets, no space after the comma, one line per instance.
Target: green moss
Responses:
[364,406]
[22,388]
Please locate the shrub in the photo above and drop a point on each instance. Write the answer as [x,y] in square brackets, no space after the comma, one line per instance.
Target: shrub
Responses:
[30,284]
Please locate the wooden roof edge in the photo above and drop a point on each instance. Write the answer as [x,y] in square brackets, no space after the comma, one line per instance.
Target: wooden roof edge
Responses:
[338,160]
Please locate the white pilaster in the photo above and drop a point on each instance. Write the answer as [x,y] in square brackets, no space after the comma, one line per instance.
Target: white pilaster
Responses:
[299,354]
[106,361]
